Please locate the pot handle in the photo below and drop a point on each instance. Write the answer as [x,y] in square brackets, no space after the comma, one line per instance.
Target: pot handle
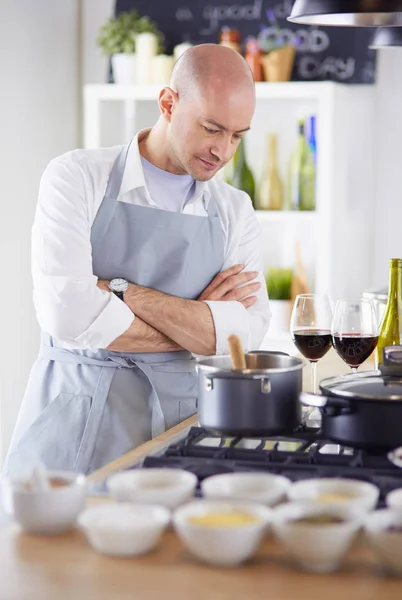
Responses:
[265,384]
[395,456]
[392,361]
[327,402]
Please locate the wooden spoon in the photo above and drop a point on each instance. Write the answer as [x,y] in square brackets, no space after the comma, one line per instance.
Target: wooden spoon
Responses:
[236,353]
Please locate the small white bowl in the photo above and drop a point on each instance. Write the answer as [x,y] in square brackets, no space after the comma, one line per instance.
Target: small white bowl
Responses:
[42,511]
[164,487]
[386,544]
[120,529]
[221,545]
[318,548]
[394,500]
[257,487]
[325,491]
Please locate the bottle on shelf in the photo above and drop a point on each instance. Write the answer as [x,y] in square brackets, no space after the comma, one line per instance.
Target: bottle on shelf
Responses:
[390,333]
[252,56]
[271,188]
[302,175]
[231,38]
[239,174]
[311,136]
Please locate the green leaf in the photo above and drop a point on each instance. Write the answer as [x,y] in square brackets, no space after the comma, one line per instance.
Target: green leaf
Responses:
[118,34]
[279,283]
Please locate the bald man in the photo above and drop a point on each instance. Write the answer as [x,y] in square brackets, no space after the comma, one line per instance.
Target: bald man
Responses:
[141,260]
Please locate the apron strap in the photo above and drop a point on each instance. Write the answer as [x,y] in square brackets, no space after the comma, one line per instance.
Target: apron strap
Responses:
[102,391]
[109,204]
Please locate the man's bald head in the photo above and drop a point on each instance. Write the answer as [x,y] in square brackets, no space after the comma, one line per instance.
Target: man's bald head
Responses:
[205,111]
[210,67]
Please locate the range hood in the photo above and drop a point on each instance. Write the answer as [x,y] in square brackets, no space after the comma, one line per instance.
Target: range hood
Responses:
[387,37]
[347,13]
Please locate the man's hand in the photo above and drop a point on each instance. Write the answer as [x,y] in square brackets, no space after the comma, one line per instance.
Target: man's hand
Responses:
[103,285]
[226,284]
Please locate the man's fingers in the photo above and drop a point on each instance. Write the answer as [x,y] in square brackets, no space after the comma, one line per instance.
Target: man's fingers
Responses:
[219,279]
[236,281]
[247,302]
[242,292]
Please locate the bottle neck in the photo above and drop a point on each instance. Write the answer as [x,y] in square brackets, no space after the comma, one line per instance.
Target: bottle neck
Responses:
[240,155]
[395,282]
[272,150]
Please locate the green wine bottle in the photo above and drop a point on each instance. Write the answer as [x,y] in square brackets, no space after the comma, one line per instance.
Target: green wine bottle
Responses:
[302,175]
[391,326]
[241,176]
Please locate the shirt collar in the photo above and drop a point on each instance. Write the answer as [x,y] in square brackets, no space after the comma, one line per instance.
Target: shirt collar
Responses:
[133,176]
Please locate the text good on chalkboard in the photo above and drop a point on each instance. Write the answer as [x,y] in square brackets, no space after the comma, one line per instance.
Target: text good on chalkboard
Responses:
[323,53]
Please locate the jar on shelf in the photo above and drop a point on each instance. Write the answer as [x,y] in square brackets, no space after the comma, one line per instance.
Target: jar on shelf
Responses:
[181,49]
[231,38]
[146,48]
[252,56]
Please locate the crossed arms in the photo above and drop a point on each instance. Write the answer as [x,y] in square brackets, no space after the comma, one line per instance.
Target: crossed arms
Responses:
[165,323]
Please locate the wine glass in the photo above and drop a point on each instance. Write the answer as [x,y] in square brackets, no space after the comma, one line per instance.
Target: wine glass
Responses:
[354,330]
[310,326]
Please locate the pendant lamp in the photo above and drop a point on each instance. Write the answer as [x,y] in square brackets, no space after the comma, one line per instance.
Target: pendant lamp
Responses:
[387,37]
[347,13]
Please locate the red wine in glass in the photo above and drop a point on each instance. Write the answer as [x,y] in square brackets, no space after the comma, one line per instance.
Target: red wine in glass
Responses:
[313,344]
[354,348]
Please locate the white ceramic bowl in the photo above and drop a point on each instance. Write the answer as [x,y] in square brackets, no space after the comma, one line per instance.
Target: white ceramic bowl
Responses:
[394,500]
[318,548]
[221,545]
[45,512]
[164,487]
[325,491]
[386,544]
[121,529]
[258,487]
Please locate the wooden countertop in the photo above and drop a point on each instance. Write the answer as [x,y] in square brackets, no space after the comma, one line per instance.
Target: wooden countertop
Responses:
[65,567]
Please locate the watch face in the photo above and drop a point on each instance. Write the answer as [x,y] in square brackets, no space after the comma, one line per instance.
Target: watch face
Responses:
[118,285]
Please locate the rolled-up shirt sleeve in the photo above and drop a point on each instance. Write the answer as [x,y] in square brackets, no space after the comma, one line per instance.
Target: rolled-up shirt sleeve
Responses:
[68,303]
[251,324]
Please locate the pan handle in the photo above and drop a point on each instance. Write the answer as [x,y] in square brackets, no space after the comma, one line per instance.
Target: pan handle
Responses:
[392,361]
[331,405]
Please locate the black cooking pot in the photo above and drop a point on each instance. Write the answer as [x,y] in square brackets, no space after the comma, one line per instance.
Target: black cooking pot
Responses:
[259,401]
[363,410]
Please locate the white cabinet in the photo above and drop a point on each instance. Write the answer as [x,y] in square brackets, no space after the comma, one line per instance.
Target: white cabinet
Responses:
[336,239]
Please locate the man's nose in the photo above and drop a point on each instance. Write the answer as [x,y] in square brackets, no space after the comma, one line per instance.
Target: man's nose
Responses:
[223,149]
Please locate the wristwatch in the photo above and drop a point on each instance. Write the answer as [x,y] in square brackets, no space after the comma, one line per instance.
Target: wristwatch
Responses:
[118,286]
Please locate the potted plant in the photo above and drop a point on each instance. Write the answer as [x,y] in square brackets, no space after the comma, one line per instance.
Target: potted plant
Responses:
[278,54]
[117,39]
[279,287]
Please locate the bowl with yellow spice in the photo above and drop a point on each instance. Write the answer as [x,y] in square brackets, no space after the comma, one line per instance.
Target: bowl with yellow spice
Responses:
[222,533]
[335,491]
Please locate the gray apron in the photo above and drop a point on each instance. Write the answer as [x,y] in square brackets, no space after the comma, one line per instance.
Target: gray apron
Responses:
[85,408]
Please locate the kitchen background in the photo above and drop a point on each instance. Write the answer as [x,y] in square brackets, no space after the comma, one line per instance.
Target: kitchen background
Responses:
[49,53]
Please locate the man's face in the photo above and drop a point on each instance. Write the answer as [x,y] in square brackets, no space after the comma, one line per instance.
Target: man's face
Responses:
[206,129]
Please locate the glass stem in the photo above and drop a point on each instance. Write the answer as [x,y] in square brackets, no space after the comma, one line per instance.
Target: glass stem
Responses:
[314,377]
[354,370]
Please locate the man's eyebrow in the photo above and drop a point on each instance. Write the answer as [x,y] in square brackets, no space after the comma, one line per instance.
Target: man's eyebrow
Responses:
[222,128]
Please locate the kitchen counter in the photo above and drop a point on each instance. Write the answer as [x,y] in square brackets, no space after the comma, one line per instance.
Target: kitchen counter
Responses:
[66,567]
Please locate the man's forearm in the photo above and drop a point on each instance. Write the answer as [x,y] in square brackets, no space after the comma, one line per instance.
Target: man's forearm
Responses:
[142,337]
[187,322]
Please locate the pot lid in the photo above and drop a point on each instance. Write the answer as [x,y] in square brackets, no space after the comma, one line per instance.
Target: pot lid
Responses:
[369,385]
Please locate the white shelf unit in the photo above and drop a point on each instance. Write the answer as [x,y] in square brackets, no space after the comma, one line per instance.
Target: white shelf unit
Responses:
[336,239]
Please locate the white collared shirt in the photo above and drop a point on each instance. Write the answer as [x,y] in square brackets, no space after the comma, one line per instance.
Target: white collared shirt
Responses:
[68,303]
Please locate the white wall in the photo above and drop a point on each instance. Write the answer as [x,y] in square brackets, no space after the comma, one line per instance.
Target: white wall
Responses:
[39,102]
[388,131]
[94,65]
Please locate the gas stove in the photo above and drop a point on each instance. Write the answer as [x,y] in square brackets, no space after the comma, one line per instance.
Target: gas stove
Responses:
[304,454]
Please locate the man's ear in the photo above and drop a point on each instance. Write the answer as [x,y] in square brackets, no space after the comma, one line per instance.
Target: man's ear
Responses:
[167,100]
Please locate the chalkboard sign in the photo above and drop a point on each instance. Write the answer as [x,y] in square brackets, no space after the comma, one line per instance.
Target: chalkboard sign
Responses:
[323,53]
